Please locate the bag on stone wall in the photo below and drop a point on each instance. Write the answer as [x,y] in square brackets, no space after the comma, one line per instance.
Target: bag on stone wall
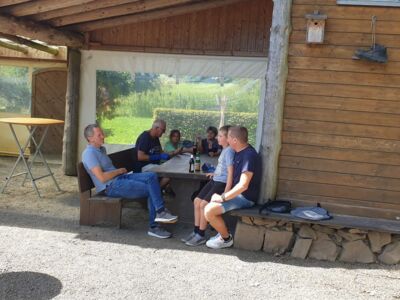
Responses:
[314,213]
[277,206]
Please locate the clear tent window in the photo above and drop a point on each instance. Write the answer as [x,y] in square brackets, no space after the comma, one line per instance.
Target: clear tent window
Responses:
[127,103]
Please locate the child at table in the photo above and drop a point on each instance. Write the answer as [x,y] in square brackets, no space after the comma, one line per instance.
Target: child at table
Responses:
[221,182]
[174,146]
[210,144]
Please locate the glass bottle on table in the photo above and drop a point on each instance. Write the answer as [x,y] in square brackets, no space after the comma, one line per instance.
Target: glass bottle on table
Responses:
[197,163]
[191,164]
[197,145]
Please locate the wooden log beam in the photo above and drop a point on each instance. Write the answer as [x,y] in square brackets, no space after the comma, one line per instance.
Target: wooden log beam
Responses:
[277,71]
[11,2]
[35,7]
[14,26]
[13,46]
[29,43]
[93,5]
[146,16]
[35,55]
[115,11]
[70,139]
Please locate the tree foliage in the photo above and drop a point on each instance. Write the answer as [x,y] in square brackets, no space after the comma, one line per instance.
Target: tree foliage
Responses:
[112,85]
[15,93]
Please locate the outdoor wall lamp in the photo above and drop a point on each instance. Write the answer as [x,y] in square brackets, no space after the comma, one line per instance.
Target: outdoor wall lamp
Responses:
[315,27]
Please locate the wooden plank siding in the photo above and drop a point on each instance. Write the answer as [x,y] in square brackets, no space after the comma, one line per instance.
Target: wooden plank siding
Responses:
[341,130]
[240,29]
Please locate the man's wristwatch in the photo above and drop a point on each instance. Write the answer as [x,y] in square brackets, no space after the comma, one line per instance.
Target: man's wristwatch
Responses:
[223,197]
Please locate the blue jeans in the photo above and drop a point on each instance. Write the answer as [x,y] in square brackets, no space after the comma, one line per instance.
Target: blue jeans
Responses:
[236,203]
[139,185]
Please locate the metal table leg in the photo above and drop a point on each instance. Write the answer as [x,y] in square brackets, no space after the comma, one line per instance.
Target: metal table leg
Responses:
[29,166]
[21,157]
[38,151]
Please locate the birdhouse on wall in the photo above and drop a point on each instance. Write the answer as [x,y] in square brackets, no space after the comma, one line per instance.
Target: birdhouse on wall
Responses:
[315,28]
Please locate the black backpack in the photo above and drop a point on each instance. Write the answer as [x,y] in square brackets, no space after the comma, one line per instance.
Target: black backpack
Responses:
[277,206]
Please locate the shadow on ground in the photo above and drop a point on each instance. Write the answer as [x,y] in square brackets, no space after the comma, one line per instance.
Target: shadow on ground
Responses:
[28,285]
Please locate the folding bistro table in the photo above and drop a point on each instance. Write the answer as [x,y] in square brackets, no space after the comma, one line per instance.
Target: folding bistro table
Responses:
[32,124]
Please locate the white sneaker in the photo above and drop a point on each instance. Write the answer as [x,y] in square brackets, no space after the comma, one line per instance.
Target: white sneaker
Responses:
[215,236]
[219,242]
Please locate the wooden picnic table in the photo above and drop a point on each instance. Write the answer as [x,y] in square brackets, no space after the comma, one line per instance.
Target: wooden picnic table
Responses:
[183,182]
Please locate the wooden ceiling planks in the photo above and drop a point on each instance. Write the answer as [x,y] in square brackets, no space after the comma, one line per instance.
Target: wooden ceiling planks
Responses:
[89,15]
[17,26]
[35,7]
[149,15]
[11,2]
[57,22]
[116,11]
[78,9]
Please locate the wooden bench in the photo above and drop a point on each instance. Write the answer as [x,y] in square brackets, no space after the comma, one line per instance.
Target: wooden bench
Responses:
[382,225]
[97,208]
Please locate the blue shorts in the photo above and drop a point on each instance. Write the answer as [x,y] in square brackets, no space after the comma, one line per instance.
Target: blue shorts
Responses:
[236,203]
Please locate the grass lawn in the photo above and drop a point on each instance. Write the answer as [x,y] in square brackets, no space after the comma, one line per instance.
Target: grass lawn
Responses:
[124,130]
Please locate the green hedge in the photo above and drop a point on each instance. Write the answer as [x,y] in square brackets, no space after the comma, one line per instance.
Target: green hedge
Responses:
[195,122]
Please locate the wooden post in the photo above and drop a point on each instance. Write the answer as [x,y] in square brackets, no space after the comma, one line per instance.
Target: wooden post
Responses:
[70,139]
[222,101]
[274,97]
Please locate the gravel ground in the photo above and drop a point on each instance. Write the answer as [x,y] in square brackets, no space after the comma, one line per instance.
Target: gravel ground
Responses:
[44,253]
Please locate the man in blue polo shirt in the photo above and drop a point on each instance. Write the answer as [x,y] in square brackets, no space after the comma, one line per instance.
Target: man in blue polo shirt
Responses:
[244,194]
[115,182]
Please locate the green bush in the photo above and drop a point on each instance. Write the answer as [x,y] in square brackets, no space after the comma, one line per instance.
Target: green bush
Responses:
[192,123]
[242,95]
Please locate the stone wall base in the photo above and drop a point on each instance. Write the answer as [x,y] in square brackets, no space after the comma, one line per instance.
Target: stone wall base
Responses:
[317,241]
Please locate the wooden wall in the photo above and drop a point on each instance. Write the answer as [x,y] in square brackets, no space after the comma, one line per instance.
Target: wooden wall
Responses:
[341,138]
[240,29]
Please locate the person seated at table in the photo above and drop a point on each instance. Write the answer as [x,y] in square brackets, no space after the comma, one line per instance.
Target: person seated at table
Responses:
[115,182]
[174,146]
[221,182]
[244,194]
[149,151]
[210,145]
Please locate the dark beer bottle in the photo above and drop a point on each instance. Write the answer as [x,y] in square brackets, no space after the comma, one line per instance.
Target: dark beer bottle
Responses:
[191,164]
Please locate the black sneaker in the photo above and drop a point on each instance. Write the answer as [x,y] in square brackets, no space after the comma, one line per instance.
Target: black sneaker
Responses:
[188,237]
[169,191]
[376,53]
[196,240]
[158,232]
